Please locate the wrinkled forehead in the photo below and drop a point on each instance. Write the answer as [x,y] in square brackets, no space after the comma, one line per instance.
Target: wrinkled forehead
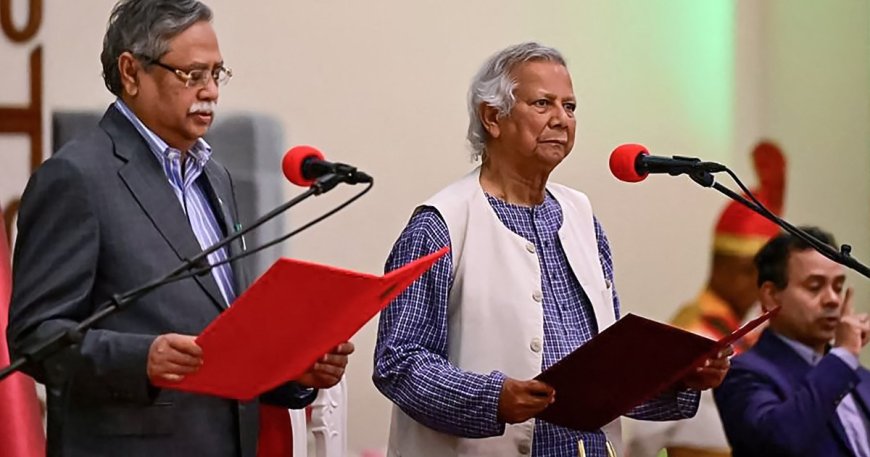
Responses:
[543,75]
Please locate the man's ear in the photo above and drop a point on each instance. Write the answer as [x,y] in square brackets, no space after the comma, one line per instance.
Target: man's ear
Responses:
[768,295]
[128,67]
[489,118]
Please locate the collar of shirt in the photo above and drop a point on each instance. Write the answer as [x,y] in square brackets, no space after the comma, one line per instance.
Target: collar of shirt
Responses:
[804,351]
[200,152]
[548,210]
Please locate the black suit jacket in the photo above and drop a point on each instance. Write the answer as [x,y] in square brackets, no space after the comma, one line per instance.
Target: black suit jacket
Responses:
[97,219]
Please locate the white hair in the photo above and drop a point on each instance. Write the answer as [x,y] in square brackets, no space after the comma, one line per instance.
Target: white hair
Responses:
[494,86]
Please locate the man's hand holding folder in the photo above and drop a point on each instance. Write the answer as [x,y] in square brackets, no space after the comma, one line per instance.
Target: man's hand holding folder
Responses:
[329,369]
[630,362]
[522,400]
[280,329]
[711,373]
[173,356]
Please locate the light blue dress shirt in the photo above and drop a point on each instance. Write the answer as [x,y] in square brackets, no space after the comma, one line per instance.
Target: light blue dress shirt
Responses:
[183,176]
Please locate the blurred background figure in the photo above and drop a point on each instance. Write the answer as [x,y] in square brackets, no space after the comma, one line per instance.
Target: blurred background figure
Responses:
[727,300]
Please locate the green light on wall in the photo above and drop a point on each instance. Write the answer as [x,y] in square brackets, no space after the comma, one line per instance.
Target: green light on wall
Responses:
[707,43]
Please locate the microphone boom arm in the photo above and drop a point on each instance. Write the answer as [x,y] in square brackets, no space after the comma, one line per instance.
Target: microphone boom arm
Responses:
[843,256]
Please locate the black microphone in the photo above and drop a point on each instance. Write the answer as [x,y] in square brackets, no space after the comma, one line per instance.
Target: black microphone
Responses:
[632,163]
[302,166]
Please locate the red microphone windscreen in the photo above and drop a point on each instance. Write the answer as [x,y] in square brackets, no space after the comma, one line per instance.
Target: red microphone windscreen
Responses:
[622,162]
[292,164]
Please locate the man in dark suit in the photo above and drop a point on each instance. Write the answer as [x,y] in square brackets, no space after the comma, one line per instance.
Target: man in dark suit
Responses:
[121,205]
[801,390]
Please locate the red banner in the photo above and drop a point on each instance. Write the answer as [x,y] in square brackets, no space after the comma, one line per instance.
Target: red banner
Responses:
[20,418]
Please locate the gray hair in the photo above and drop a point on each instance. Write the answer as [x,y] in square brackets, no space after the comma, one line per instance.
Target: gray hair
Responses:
[144,28]
[494,86]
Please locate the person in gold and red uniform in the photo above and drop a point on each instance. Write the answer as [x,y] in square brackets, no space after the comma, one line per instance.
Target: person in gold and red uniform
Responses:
[729,297]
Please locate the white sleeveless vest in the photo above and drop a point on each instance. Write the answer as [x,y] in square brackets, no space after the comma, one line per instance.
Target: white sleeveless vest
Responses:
[495,314]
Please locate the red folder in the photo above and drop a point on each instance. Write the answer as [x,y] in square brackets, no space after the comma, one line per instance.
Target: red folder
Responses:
[628,363]
[293,314]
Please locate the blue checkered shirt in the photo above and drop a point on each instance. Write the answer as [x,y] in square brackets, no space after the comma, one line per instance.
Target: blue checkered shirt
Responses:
[411,366]
[183,177]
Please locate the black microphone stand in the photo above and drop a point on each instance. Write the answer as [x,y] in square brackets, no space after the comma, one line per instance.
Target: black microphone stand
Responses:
[705,178]
[41,350]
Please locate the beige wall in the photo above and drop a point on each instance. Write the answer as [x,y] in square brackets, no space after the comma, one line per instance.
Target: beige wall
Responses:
[817,84]
[381,84]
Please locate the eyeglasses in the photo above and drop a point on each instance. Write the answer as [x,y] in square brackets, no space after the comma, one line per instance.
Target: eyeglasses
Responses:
[197,77]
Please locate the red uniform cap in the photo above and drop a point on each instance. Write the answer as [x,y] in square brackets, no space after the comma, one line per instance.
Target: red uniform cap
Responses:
[741,231]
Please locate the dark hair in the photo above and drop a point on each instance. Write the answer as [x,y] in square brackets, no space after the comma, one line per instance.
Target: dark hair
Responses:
[772,259]
[144,28]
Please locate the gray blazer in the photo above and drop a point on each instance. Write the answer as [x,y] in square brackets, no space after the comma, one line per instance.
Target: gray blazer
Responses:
[100,218]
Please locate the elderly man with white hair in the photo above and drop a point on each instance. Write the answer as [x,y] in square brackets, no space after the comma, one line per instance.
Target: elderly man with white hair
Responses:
[529,279]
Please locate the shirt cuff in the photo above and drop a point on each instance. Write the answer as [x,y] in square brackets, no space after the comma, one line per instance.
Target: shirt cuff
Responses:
[688,401]
[847,357]
[494,385]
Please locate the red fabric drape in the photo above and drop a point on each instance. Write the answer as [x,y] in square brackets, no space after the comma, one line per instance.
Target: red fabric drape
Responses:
[20,417]
[276,432]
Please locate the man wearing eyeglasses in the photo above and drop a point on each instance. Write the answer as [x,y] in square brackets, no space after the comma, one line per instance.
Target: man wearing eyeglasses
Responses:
[120,206]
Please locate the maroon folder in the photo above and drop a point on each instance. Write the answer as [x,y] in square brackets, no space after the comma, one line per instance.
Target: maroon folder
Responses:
[293,314]
[628,363]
